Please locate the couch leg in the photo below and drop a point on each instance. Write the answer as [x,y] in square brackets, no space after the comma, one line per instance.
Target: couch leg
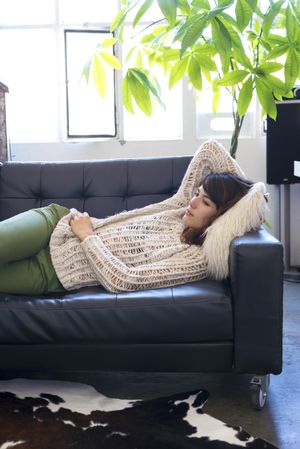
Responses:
[259,386]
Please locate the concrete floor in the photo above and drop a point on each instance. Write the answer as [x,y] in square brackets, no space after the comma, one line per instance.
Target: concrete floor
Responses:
[230,395]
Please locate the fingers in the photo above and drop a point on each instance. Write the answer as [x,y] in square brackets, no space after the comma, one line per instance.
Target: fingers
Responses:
[75,215]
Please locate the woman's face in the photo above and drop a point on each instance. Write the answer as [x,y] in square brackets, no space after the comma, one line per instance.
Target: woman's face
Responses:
[200,211]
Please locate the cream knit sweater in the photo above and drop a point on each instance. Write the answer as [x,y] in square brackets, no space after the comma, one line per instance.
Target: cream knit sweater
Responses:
[140,249]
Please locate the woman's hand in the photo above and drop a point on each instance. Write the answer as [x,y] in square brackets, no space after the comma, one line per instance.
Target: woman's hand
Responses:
[81,225]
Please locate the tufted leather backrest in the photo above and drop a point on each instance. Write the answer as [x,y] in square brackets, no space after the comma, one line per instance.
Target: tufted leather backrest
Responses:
[101,188]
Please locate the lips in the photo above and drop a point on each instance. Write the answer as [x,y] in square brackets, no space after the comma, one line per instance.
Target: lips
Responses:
[188,213]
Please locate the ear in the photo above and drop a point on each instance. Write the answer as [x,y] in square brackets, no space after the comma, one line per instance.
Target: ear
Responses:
[247,214]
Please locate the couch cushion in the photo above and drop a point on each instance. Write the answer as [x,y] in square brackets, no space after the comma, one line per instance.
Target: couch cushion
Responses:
[194,312]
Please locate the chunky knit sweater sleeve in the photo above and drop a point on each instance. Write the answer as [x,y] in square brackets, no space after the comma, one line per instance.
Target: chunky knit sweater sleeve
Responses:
[211,157]
[187,266]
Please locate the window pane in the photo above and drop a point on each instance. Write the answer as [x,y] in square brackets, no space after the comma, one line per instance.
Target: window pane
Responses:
[88,113]
[29,12]
[220,124]
[95,11]
[28,67]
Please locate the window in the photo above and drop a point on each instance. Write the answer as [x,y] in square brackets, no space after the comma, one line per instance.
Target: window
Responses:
[33,65]
[42,57]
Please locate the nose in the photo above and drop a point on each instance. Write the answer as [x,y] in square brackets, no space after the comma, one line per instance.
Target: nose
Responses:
[193,201]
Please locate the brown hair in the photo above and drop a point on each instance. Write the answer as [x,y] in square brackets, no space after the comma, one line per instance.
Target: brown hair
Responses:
[225,190]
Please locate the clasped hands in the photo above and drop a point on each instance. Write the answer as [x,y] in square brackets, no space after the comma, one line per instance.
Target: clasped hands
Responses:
[81,224]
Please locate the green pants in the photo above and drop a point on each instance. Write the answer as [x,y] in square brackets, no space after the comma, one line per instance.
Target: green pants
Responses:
[25,262]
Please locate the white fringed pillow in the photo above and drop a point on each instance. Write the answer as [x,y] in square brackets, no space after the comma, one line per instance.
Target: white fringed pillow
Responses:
[247,214]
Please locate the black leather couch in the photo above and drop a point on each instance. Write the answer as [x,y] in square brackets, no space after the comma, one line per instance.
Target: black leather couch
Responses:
[206,326]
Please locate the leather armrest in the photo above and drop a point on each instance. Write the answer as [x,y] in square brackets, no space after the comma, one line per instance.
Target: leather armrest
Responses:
[256,281]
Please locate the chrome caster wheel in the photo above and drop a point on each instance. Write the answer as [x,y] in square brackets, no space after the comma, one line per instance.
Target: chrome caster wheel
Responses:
[259,387]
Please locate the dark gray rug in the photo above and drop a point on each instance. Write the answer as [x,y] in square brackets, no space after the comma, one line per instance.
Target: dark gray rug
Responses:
[38,414]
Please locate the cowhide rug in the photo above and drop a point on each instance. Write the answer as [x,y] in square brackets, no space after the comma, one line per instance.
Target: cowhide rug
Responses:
[60,415]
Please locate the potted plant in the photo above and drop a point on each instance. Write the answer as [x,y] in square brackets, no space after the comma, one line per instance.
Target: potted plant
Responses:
[236,45]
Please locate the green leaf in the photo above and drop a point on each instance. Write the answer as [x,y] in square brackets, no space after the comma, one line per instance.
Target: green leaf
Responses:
[252,37]
[108,42]
[99,76]
[197,5]
[225,2]
[245,97]
[144,8]
[270,16]
[184,7]
[178,71]
[110,59]
[265,44]
[206,50]
[276,39]
[232,78]
[85,73]
[269,67]
[194,32]
[169,10]
[276,85]
[222,41]
[147,38]
[243,13]
[256,10]
[253,5]
[119,19]
[237,44]
[129,54]
[228,20]
[139,59]
[291,25]
[183,25]
[291,68]
[215,98]
[265,98]
[206,73]
[256,26]
[143,79]
[277,51]
[169,54]
[194,73]
[207,63]
[127,95]
[141,95]
[295,9]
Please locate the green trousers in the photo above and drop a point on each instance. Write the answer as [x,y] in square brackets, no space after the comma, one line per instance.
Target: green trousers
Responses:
[25,262]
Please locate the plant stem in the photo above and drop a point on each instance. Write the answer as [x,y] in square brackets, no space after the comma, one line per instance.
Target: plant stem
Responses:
[238,122]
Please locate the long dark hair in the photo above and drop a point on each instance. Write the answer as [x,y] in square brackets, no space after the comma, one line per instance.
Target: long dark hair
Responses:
[225,190]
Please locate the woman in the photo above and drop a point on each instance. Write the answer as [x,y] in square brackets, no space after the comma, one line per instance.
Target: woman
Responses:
[163,244]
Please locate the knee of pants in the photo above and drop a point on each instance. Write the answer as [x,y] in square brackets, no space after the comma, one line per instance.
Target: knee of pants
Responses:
[22,278]
[25,234]
[32,276]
